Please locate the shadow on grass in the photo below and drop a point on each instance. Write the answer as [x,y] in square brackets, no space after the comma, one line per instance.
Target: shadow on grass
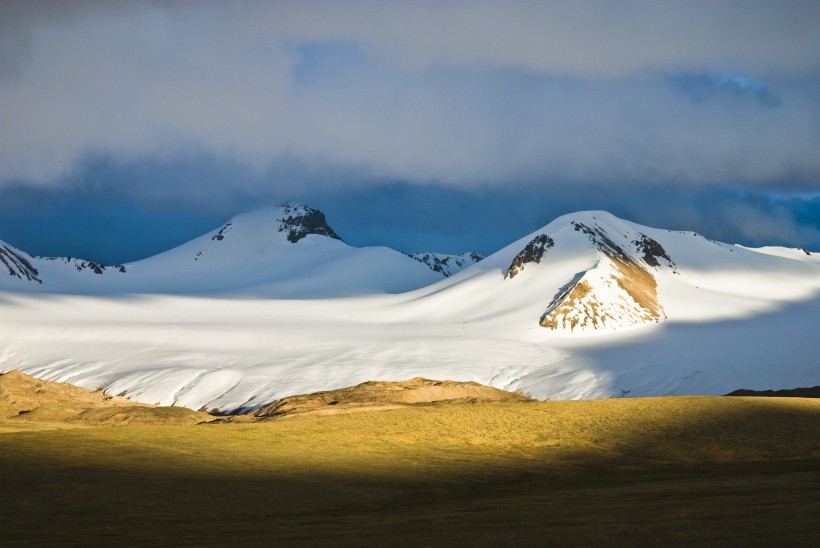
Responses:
[645,472]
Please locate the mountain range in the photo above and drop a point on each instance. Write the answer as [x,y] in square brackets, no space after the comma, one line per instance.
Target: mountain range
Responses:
[287,251]
[274,303]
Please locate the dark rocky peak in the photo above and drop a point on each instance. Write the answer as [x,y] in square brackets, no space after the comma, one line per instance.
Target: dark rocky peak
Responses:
[18,265]
[651,251]
[299,220]
[533,252]
[294,219]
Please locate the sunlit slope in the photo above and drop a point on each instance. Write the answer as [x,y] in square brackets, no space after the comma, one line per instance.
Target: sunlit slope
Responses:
[707,470]
[26,402]
[683,429]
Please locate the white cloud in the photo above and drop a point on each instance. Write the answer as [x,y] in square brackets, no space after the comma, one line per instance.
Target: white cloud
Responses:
[459,93]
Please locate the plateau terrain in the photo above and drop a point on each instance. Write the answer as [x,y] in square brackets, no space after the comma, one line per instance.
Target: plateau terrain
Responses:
[678,471]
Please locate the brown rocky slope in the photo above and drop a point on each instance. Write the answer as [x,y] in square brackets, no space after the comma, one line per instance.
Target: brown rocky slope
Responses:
[24,398]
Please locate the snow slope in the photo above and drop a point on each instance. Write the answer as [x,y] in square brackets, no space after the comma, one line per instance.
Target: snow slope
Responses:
[588,306]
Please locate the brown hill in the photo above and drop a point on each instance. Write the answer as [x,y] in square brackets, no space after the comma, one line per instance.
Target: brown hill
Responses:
[24,398]
[373,395]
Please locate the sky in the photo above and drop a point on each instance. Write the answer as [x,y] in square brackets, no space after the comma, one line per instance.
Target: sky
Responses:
[127,128]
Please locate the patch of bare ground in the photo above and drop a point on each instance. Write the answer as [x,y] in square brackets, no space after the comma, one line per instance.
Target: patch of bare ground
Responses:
[580,306]
[24,399]
[641,285]
[375,395]
[559,314]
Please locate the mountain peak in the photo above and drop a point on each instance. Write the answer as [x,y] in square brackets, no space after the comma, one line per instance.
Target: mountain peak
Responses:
[295,219]
[298,220]
[619,289]
[587,216]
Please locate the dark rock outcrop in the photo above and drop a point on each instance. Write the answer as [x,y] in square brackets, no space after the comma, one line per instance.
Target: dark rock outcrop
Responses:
[219,236]
[18,265]
[651,251]
[93,266]
[299,220]
[603,242]
[533,252]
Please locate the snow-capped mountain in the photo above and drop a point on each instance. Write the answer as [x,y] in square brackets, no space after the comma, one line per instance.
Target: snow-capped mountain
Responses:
[620,290]
[287,251]
[592,272]
[447,265]
[588,306]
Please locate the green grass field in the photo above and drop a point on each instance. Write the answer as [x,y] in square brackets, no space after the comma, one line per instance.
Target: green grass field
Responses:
[654,471]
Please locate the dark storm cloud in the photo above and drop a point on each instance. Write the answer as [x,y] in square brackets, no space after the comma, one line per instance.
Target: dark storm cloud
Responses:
[696,115]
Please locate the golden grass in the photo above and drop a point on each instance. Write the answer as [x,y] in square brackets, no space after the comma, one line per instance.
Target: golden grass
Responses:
[715,471]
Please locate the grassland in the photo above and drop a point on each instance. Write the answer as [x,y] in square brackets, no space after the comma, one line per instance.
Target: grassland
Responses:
[655,471]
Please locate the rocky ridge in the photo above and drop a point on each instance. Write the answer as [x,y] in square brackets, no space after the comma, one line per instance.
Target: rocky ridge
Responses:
[444,264]
[17,264]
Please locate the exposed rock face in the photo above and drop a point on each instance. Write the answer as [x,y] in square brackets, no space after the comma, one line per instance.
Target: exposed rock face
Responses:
[18,265]
[618,292]
[603,242]
[652,251]
[533,252]
[446,265]
[299,220]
